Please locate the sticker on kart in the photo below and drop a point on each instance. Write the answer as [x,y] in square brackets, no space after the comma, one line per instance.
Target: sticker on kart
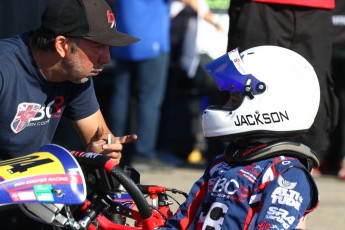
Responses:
[51,175]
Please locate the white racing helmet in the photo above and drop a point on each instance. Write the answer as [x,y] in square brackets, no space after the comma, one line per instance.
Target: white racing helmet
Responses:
[279,93]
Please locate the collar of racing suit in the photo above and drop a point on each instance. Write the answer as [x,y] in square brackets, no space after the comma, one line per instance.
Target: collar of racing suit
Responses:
[255,151]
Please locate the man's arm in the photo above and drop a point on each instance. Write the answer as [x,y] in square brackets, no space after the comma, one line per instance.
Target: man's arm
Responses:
[94,131]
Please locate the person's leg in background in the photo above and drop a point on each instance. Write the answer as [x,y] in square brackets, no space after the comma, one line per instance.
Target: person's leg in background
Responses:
[337,161]
[151,85]
[120,101]
[314,43]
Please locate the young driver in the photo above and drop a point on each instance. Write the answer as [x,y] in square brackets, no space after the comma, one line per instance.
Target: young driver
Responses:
[262,180]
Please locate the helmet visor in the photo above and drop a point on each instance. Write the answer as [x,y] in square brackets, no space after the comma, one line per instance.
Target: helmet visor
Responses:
[235,100]
[230,74]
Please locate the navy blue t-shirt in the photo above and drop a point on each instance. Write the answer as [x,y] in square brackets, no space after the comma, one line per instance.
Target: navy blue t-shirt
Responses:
[30,106]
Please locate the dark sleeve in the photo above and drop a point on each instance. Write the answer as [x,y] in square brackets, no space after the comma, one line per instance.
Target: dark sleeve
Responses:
[83,101]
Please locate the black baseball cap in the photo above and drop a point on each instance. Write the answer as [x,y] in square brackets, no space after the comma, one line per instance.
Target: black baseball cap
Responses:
[91,19]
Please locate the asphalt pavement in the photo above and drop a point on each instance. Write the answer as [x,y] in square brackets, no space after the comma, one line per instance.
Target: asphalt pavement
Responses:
[330,214]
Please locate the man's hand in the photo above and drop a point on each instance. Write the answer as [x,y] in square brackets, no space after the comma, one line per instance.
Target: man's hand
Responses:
[109,145]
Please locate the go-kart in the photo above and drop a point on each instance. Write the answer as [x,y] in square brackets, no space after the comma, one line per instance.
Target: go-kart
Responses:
[80,190]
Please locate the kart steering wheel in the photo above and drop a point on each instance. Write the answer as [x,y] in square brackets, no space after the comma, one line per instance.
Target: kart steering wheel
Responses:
[101,163]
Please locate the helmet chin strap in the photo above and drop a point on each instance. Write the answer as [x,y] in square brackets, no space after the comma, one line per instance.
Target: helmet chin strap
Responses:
[239,152]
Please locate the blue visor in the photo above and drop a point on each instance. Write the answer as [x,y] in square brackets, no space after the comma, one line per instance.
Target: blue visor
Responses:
[230,74]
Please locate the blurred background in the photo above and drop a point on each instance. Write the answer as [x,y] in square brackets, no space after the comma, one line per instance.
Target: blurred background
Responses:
[192,95]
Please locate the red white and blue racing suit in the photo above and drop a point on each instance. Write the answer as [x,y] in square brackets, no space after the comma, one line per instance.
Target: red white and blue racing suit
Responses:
[272,193]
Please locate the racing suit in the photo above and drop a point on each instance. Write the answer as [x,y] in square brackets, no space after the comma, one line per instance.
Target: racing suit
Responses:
[272,193]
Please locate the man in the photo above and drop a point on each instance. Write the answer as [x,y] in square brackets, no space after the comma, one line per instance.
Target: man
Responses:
[47,73]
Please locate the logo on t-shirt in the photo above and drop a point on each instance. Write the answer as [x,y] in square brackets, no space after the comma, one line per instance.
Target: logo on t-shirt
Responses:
[25,113]
[32,114]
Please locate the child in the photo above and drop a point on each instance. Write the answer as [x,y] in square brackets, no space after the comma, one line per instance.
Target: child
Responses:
[263,180]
